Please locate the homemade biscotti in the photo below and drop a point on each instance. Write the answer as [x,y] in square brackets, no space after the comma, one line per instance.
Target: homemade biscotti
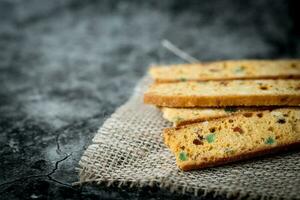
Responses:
[183,116]
[228,70]
[225,93]
[234,138]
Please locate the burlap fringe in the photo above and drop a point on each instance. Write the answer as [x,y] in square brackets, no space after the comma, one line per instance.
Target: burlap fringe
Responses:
[214,192]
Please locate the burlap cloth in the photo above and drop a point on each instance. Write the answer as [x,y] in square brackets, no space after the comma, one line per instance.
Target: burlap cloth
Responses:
[129,150]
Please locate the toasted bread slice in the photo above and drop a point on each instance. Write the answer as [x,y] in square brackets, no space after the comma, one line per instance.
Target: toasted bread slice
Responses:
[184,116]
[234,138]
[225,93]
[227,70]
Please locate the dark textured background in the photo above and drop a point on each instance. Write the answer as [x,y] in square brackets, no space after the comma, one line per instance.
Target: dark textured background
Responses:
[66,65]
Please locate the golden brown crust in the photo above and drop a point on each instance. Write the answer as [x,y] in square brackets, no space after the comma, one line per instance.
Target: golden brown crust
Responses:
[222,101]
[186,121]
[194,165]
[191,121]
[185,116]
[294,76]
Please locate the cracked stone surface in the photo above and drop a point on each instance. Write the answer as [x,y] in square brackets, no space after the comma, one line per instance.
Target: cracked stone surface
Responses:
[65,66]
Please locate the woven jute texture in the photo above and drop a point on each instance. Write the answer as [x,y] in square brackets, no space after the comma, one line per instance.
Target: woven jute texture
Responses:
[129,150]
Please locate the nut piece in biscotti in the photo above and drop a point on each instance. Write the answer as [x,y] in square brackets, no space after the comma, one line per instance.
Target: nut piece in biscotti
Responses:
[183,116]
[234,138]
[222,94]
[227,70]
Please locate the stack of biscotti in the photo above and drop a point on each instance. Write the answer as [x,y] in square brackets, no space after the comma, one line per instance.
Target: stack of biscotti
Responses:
[228,110]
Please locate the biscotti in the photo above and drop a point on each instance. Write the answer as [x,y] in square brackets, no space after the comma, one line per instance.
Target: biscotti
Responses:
[225,93]
[183,116]
[234,138]
[228,70]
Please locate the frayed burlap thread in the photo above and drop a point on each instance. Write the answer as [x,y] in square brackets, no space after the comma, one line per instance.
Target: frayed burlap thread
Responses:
[129,150]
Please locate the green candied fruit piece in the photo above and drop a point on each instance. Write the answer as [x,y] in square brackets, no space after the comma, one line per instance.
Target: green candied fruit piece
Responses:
[270,140]
[230,109]
[178,119]
[183,79]
[210,137]
[239,69]
[183,156]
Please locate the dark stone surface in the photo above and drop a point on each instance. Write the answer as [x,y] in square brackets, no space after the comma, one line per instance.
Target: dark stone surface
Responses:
[65,66]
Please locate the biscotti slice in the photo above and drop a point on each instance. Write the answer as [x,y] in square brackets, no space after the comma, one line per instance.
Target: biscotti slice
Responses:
[227,70]
[183,116]
[225,93]
[233,138]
